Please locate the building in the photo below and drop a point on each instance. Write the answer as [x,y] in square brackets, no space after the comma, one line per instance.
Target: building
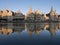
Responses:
[52,15]
[6,12]
[38,16]
[6,15]
[29,15]
[18,17]
[59,18]
[9,16]
[33,16]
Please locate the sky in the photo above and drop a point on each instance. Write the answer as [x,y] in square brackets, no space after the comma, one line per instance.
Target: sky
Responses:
[24,5]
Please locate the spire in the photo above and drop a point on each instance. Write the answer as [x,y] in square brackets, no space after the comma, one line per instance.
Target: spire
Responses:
[30,10]
[52,9]
[52,12]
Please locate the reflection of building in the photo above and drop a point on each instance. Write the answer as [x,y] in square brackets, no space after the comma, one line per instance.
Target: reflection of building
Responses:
[58,25]
[53,27]
[33,27]
[5,31]
[38,27]
[37,31]
[30,28]
[46,26]
[11,28]
[17,27]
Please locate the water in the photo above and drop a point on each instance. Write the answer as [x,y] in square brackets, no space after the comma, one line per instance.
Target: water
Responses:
[29,33]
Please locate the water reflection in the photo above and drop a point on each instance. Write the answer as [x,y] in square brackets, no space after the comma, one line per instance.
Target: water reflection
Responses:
[39,27]
[30,31]
[9,28]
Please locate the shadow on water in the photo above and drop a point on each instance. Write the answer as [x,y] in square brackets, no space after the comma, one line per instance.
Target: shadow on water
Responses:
[29,33]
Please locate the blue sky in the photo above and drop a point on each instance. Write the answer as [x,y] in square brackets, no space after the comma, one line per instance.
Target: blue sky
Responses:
[24,5]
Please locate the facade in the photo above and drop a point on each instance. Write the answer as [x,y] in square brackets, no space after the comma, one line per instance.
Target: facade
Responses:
[6,12]
[18,16]
[8,15]
[31,16]
[52,15]
[38,17]
[35,16]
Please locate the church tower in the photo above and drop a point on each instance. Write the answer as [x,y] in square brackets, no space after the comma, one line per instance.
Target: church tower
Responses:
[52,11]
[30,11]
